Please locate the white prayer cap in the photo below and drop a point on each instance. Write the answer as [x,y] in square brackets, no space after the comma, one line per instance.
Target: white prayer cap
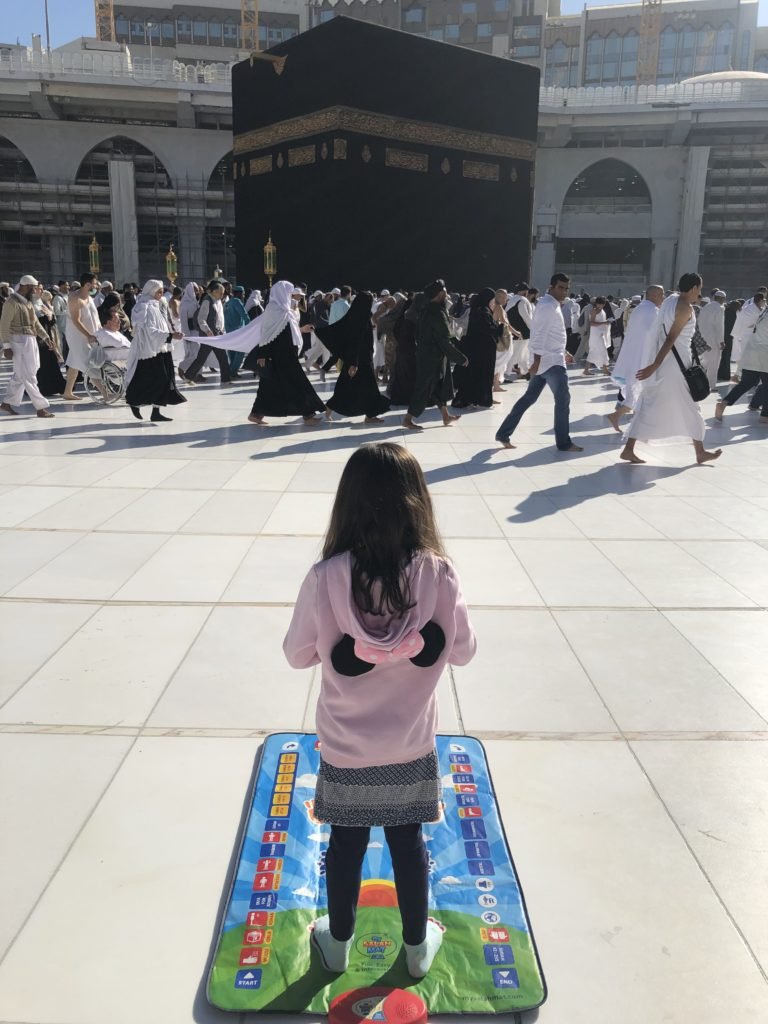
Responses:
[720,295]
[705,301]
[384,293]
[107,284]
[336,291]
[28,279]
[636,298]
[317,294]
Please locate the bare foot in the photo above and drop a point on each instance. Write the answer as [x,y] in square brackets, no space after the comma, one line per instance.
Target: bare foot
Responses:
[631,457]
[373,419]
[613,419]
[586,373]
[720,408]
[312,421]
[9,409]
[606,371]
[329,414]
[574,448]
[506,444]
[709,456]
[410,425]
[72,398]
[495,402]
[258,420]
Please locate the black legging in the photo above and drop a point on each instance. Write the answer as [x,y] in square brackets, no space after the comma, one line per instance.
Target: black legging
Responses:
[343,873]
[750,379]
[205,350]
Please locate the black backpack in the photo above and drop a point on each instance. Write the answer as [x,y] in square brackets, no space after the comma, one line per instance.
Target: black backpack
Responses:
[516,320]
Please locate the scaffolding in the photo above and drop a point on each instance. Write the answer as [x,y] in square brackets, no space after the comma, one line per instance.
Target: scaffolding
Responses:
[650,35]
[249,25]
[105,21]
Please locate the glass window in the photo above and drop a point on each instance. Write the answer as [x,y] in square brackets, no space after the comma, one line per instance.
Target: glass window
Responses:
[724,47]
[435,33]
[327,15]
[527,32]
[184,30]
[200,31]
[230,33]
[484,30]
[169,33]
[746,46]
[414,14]
[468,7]
[138,34]
[761,63]
[214,33]
[122,26]
[451,31]
[668,42]
[526,51]
[501,6]
[153,31]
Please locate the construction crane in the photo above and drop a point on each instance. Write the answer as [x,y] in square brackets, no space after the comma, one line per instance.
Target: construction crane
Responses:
[249,25]
[650,36]
[105,21]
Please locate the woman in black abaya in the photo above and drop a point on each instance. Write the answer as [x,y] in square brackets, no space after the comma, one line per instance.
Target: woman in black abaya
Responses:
[474,383]
[351,340]
[403,373]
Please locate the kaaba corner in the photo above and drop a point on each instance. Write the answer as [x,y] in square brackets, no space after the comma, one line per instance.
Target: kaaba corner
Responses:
[378,158]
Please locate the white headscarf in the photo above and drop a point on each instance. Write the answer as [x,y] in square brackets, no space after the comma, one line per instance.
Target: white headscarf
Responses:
[148,293]
[264,328]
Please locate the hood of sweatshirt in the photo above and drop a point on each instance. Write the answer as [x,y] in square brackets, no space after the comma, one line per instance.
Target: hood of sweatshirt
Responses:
[383,632]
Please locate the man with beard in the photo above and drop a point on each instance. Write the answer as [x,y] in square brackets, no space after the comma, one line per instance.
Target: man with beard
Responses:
[19,330]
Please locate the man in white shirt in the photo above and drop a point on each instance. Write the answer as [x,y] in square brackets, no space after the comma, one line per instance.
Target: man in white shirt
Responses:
[711,324]
[547,347]
[106,289]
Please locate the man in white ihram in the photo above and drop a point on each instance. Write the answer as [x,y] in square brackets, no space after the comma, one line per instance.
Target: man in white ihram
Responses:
[711,324]
[637,350]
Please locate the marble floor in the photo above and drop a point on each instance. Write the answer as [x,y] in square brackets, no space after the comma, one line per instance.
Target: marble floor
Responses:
[147,573]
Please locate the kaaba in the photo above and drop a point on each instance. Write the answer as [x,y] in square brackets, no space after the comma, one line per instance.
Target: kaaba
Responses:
[382,159]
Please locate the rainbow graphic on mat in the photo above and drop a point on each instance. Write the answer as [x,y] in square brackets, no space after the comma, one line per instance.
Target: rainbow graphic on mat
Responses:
[488,962]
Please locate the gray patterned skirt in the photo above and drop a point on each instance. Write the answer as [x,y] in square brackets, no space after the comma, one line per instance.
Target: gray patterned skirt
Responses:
[389,794]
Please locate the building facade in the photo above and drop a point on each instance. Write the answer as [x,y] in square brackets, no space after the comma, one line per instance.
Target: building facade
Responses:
[132,144]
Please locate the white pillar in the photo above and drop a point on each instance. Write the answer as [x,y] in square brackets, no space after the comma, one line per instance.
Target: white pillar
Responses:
[689,245]
[125,229]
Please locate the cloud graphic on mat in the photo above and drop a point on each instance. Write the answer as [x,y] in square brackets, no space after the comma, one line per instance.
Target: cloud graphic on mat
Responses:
[375,846]
[304,891]
[319,837]
[449,880]
[307,781]
[426,838]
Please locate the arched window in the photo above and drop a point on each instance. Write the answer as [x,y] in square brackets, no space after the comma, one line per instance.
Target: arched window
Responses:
[686,52]
[593,67]
[611,58]
[557,53]
[705,50]
[630,46]
[761,63]
[561,65]
[724,47]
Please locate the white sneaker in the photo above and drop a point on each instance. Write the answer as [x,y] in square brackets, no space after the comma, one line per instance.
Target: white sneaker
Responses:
[419,958]
[333,953]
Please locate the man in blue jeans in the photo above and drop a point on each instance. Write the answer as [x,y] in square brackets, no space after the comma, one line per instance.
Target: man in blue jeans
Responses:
[547,346]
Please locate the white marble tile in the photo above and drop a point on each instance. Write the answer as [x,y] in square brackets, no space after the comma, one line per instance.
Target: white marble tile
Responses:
[676,518]
[232,678]
[735,643]
[91,569]
[50,625]
[166,828]
[299,513]
[202,475]
[524,656]
[315,477]
[104,675]
[531,517]
[48,787]
[273,569]
[743,564]
[604,517]
[21,503]
[638,905]
[158,511]
[262,476]
[85,510]
[185,569]
[23,552]
[650,677]
[23,469]
[738,514]
[144,472]
[575,572]
[490,573]
[233,512]
[669,576]
[80,470]
[463,515]
[716,794]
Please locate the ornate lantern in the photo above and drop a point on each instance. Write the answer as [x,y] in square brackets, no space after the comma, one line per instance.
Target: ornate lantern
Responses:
[270,260]
[218,273]
[94,256]
[171,265]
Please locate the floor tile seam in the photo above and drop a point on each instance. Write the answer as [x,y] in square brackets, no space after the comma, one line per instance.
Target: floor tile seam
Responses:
[679,544]
[305,713]
[687,499]
[714,668]
[505,735]
[705,874]
[54,556]
[527,576]
[96,608]
[453,690]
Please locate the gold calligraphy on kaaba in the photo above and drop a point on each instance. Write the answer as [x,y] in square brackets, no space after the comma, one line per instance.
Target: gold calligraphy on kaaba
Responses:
[260,165]
[302,155]
[479,169]
[339,149]
[406,159]
[384,126]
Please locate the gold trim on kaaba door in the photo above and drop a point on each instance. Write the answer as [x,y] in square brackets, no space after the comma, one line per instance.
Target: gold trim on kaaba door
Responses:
[385,126]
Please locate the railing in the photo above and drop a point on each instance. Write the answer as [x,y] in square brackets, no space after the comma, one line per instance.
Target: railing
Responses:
[743,91]
[90,64]
[603,271]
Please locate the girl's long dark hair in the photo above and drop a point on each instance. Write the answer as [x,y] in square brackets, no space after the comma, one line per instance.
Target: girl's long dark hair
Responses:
[383,515]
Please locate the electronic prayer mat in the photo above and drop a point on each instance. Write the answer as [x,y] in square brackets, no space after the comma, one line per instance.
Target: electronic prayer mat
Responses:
[488,962]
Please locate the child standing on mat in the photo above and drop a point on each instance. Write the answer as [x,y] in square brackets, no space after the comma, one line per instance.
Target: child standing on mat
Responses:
[383,614]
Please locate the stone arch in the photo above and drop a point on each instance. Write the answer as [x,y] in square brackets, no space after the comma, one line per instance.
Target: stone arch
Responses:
[25,248]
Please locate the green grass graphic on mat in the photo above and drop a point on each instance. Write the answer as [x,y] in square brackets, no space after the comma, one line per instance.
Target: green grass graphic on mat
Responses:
[460,981]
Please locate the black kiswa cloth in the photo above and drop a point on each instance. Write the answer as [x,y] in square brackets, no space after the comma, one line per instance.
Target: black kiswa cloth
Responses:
[352,336]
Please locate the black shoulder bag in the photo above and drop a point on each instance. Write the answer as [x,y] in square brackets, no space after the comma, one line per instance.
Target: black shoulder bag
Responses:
[695,377]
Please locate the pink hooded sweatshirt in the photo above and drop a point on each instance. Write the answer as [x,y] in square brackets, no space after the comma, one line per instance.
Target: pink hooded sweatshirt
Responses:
[389,714]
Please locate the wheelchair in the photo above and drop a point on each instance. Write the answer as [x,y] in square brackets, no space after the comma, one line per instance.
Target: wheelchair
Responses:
[110,376]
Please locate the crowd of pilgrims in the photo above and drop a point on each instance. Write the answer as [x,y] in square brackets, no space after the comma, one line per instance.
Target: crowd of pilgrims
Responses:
[414,350]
